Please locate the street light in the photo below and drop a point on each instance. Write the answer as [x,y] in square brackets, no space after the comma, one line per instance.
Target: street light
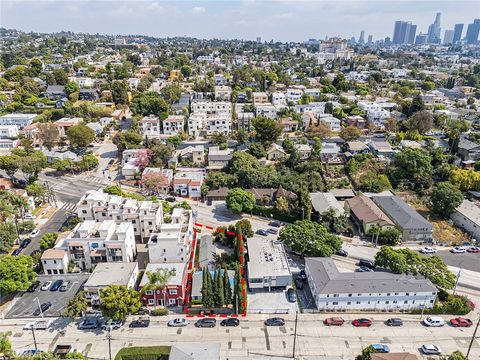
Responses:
[39,306]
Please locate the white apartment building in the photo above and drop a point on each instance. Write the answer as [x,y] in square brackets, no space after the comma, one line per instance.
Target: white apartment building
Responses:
[339,291]
[312,92]
[267,110]
[222,92]
[150,127]
[188,182]
[172,243]
[55,261]
[208,117]
[19,120]
[145,216]
[8,131]
[173,124]
[93,242]
[294,95]
[279,98]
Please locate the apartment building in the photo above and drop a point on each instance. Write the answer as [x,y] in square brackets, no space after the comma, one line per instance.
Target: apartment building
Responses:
[19,120]
[150,127]
[173,124]
[8,131]
[279,98]
[259,98]
[294,95]
[93,242]
[188,182]
[339,291]
[209,117]
[172,242]
[143,215]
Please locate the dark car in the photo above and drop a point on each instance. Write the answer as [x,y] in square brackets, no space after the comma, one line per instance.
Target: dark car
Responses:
[34,286]
[291,295]
[140,323]
[394,322]
[17,252]
[342,252]
[44,307]
[56,285]
[276,224]
[364,269]
[302,275]
[25,243]
[362,322]
[230,322]
[143,311]
[261,232]
[299,284]
[171,199]
[206,322]
[366,263]
[276,321]
[88,324]
[273,231]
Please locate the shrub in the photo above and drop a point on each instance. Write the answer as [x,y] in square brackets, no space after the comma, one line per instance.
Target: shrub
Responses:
[144,353]
[159,312]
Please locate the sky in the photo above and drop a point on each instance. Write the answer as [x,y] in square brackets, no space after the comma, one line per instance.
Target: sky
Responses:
[278,20]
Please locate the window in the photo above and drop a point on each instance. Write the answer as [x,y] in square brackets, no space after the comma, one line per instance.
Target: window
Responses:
[388,294]
[172,301]
[405,302]
[172,291]
[387,302]
[349,303]
[133,221]
[148,292]
[349,295]
[103,214]
[335,303]
[396,293]
[335,295]
[407,294]
[150,223]
[358,302]
[84,211]
[151,302]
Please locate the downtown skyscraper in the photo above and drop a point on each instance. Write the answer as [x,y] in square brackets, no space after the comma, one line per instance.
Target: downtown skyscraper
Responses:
[457,36]
[472,32]
[404,33]
[434,31]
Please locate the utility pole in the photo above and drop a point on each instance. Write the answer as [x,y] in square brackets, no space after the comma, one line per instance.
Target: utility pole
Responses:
[295,334]
[473,338]
[109,337]
[456,281]
[34,339]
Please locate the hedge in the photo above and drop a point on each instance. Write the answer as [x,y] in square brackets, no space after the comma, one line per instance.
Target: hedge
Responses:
[159,312]
[270,212]
[144,353]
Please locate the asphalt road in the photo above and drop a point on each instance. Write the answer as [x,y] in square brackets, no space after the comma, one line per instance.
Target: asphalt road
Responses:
[252,338]
[468,261]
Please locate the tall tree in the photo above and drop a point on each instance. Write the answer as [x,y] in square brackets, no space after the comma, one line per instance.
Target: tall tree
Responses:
[227,289]
[9,164]
[219,295]
[49,134]
[422,121]
[120,92]
[80,135]
[16,273]
[445,198]
[118,301]
[267,130]
[76,305]
[239,200]
[207,289]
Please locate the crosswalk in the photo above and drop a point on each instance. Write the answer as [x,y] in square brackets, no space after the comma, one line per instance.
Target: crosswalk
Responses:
[69,207]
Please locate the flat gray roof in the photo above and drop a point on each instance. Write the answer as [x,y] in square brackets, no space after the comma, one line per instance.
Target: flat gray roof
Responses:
[401,213]
[267,258]
[113,273]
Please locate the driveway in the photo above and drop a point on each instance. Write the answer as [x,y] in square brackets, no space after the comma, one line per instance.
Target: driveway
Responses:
[274,302]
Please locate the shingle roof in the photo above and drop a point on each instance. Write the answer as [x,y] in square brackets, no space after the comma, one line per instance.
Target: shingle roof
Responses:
[328,280]
[401,213]
[321,202]
[367,211]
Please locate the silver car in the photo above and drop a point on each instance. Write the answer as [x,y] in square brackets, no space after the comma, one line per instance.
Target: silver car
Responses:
[178,322]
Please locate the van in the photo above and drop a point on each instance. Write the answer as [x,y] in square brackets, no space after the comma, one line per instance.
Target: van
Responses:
[434,321]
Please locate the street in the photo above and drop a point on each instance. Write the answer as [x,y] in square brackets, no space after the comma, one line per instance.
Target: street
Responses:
[253,338]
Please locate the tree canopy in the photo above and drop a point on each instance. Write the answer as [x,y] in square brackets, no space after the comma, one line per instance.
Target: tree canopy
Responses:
[445,198]
[80,135]
[118,301]
[239,200]
[16,273]
[267,130]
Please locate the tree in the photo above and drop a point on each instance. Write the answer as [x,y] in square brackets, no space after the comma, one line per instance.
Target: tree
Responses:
[26,227]
[120,92]
[310,239]
[80,135]
[48,240]
[335,222]
[9,164]
[89,162]
[267,130]
[227,289]
[219,139]
[5,344]
[412,168]
[153,181]
[389,236]
[143,158]
[76,305]
[316,148]
[239,200]
[158,280]
[457,355]
[160,153]
[350,133]
[16,273]
[128,139]
[171,93]
[371,182]
[445,198]
[186,71]
[60,76]
[207,289]
[406,261]
[71,87]
[422,121]
[328,108]
[118,301]
[218,179]
[218,291]
[8,235]
[149,103]
[282,205]
[49,134]
[244,227]
[31,165]
[417,105]
[465,179]
[366,353]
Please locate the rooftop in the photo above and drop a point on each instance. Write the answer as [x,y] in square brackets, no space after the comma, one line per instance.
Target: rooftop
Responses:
[401,213]
[177,268]
[470,210]
[321,202]
[112,273]
[267,258]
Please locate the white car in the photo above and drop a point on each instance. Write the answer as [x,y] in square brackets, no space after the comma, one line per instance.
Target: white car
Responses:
[34,233]
[29,217]
[428,250]
[434,321]
[458,250]
[46,285]
[178,322]
[37,325]
[430,349]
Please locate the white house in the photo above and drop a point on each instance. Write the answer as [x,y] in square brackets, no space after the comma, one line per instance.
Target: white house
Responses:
[150,127]
[467,216]
[20,120]
[294,95]
[54,261]
[173,124]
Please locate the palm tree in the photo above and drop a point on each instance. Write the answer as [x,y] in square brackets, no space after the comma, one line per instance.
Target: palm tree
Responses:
[158,279]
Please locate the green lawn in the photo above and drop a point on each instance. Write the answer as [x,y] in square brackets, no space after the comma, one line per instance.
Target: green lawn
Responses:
[144,353]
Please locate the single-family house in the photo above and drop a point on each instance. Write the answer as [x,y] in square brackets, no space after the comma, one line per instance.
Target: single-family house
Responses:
[468,150]
[467,216]
[366,214]
[322,202]
[276,153]
[304,151]
[217,158]
[55,92]
[163,179]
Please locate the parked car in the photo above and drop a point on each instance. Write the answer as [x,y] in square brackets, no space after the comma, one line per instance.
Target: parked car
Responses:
[140,323]
[342,252]
[29,216]
[299,284]
[291,295]
[230,322]
[206,322]
[25,243]
[171,199]
[428,250]
[112,324]
[461,322]
[262,232]
[394,322]
[276,321]
[32,352]
[65,286]
[56,285]
[473,249]
[17,252]
[34,233]
[34,286]
[458,250]
[178,322]
[303,276]
[430,349]
[380,348]
[273,231]
[89,323]
[43,307]
[37,325]
[276,224]
[434,321]
[362,322]
[46,285]
[334,321]
[143,311]
[364,269]
[366,263]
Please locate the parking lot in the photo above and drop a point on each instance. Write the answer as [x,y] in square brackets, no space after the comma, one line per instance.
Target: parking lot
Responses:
[274,302]
[26,305]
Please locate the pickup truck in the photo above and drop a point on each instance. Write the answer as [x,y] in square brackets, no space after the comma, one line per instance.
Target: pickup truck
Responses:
[61,351]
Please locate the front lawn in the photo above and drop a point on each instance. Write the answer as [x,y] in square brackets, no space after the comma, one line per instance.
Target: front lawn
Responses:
[144,353]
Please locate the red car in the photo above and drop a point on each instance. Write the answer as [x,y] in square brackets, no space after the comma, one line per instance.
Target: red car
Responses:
[334,321]
[474,249]
[362,322]
[461,322]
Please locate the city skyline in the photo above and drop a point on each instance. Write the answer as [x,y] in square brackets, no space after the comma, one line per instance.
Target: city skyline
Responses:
[247,19]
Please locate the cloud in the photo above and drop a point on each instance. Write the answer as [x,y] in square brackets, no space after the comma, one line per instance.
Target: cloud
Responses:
[282,16]
[198,10]
[156,7]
